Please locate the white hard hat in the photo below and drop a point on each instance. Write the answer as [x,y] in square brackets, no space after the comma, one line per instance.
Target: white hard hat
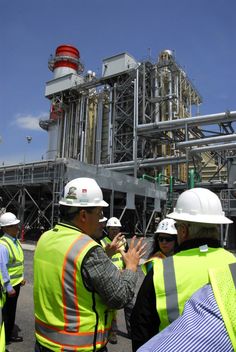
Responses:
[199,205]
[8,219]
[103,219]
[167,226]
[83,192]
[113,222]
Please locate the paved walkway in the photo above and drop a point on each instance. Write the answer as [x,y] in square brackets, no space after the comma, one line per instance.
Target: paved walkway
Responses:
[28,246]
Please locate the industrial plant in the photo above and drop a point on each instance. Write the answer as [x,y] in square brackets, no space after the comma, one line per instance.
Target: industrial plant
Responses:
[138,130]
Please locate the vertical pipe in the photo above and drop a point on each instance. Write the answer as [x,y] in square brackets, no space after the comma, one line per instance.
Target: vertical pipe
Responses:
[135,122]
[94,124]
[81,136]
[144,93]
[71,132]
[98,131]
[85,147]
[191,175]
[156,94]
[75,133]
[64,135]
[112,202]
[170,95]
[82,147]
[112,102]
[144,213]
[177,93]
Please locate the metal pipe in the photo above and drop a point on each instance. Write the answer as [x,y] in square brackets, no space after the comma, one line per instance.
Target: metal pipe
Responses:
[213,148]
[190,121]
[201,141]
[156,94]
[64,134]
[144,93]
[123,211]
[128,165]
[149,222]
[170,95]
[135,122]
[81,157]
[99,131]
[110,135]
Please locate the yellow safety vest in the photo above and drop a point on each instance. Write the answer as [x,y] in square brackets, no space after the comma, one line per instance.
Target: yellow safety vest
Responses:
[223,282]
[176,278]
[15,265]
[117,258]
[148,264]
[67,315]
[2,329]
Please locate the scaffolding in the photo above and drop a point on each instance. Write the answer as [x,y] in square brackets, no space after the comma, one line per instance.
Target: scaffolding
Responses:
[33,190]
[134,121]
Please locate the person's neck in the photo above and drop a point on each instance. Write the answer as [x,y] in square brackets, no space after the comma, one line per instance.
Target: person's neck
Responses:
[196,242]
[73,224]
[11,235]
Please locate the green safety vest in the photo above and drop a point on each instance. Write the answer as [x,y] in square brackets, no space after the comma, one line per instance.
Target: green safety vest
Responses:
[2,329]
[68,317]
[15,264]
[176,278]
[223,282]
[117,258]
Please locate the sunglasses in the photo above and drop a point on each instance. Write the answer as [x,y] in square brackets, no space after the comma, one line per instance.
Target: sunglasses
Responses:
[167,239]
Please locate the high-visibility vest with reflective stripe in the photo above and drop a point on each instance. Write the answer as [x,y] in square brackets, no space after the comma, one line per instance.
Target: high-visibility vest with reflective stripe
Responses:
[148,264]
[176,278]
[15,264]
[2,329]
[68,317]
[117,258]
[223,282]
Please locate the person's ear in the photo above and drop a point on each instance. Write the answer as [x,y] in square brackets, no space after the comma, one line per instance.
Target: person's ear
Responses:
[182,232]
[81,216]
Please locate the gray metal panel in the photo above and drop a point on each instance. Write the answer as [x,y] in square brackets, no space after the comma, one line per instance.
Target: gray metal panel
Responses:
[115,181]
[118,63]
[232,172]
[130,201]
[62,83]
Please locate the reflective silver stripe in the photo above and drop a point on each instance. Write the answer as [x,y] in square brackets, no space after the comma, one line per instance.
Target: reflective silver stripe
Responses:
[232,268]
[115,259]
[69,284]
[15,265]
[64,338]
[0,317]
[16,276]
[170,289]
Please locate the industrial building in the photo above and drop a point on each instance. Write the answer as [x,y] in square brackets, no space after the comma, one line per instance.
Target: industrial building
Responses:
[137,130]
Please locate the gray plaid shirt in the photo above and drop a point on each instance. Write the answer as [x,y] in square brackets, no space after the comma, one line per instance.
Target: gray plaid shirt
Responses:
[115,287]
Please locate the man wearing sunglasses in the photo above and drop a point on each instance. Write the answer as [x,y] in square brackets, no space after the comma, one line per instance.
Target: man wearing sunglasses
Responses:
[172,281]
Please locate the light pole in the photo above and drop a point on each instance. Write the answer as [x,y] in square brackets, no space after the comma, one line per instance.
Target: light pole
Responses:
[29,139]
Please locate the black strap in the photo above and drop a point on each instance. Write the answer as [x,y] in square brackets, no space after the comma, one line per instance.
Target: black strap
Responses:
[232,268]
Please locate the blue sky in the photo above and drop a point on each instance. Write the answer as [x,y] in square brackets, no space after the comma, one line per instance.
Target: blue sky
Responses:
[201,33]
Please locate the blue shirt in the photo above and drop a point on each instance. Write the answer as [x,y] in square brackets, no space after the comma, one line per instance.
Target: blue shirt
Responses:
[200,328]
[4,259]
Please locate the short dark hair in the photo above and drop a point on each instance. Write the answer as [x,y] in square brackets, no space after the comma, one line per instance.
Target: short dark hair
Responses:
[68,213]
